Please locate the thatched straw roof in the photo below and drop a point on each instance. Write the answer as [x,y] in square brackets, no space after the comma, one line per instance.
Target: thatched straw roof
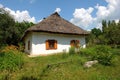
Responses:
[56,24]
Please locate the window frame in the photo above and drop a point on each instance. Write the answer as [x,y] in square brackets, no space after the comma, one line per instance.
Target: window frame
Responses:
[75,43]
[49,42]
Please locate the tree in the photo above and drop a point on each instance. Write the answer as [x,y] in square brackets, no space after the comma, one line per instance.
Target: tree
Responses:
[7,28]
[111,32]
[22,27]
[109,35]
[104,26]
[11,31]
[96,32]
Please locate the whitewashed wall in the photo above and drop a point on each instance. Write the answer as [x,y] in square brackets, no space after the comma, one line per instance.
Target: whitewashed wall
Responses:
[63,42]
[28,38]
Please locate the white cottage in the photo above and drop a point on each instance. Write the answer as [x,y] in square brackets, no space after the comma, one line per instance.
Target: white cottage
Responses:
[53,35]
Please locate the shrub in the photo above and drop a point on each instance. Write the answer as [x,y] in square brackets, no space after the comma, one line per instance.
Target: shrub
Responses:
[21,47]
[87,51]
[105,58]
[11,61]
[103,54]
[72,50]
[8,48]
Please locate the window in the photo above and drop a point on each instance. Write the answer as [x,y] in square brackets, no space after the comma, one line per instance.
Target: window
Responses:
[75,43]
[28,45]
[51,44]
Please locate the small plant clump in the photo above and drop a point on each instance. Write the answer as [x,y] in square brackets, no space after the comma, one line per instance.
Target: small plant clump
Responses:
[72,50]
[11,61]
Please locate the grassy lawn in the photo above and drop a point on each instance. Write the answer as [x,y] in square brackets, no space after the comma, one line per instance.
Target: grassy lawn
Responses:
[61,67]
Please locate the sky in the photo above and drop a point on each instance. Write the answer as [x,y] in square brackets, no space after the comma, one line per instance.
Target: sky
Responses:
[86,14]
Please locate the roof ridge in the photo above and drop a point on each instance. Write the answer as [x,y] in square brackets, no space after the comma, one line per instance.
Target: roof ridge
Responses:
[55,13]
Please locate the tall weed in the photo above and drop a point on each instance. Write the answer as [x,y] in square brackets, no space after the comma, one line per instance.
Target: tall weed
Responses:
[72,50]
[11,61]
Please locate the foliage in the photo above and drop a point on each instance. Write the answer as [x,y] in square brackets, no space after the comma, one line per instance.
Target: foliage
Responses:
[11,61]
[21,27]
[10,30]
[7,28]
[109,35]
[73,70]
[9,48]
[93,37]
[72,50]
[96,32]
[104,54]
[21,47]
[64,55]
[87,51]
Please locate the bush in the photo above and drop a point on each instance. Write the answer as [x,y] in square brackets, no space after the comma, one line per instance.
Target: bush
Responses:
[21,47]
[11,61]
[87,51]
[72,50]
[103,54]
[105,58]
[9,48]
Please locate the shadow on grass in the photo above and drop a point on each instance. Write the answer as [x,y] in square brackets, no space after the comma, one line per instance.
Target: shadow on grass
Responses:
[28,78]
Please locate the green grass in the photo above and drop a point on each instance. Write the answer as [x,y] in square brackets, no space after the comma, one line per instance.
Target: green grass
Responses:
[61,67]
